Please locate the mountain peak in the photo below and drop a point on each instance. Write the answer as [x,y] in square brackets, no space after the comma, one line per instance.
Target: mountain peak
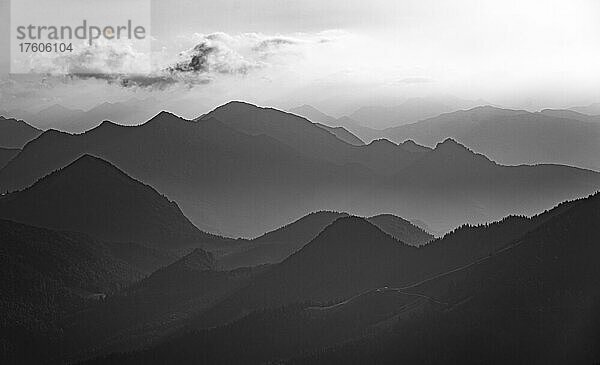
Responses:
[383,144]
[237,104]
[450,144]
[348,231]
[412,146]
[97,198]
[164,117]
[88,161]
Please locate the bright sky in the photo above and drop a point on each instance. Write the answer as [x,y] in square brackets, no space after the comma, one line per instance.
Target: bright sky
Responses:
[521,53]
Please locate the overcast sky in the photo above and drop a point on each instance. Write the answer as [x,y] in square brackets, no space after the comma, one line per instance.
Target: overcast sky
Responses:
[516,53]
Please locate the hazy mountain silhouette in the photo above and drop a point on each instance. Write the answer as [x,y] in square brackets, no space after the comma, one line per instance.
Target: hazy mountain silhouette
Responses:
[511,136]
[316,116]
[130,112]
[232,165]
[7,154]
[364,133]
[340,263]
[539,283]
[16,133]
[328,123]
[410,111]
[313,114]
[349,256]
[220,176]
[592,109]
[308,138]
[343,134]
[92,196]
[542,286]
[275,246]
[570,114]
[401,229]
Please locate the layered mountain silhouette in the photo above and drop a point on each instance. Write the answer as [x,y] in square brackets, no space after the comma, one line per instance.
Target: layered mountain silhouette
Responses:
[275,246]
[61,118]
[94,197]
[592,109]
[313,114]
[410,111]
[316,116]
[343,134]
[221,175]
[539,283]
[570,114]
[308,138]
[16,133]
[341,262]
[512,137]
[349,256]
[7,154]
[401,229]
[542,286]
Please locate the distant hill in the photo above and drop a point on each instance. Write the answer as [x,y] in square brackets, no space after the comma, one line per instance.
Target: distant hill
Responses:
[275,246]
[16,133]
[130,112]
[309,139]
[347,257]
[92,196]
[539,283]
[221,176]
[592,109]
[570,114]
[7,154]
[316,116]
[512,137]
[543,285]
[343,134]
[410,111]
[313,114]
[364,133]
[401,229]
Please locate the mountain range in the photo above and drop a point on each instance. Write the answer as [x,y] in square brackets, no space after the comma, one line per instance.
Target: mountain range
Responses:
[275,246]
[532,281]
[240,159]
[311,113]
[16,133]
[94,197]
[512,137]
[65,119]
[592,109]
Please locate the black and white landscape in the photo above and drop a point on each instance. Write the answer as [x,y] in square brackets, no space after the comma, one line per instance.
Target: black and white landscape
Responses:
[308,182]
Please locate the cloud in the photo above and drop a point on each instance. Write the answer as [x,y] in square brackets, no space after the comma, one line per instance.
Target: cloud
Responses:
[220,54]
[207,57]
[217,53]
[106,58]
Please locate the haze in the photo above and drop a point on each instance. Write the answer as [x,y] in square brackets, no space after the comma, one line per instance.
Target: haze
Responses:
[519,54]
